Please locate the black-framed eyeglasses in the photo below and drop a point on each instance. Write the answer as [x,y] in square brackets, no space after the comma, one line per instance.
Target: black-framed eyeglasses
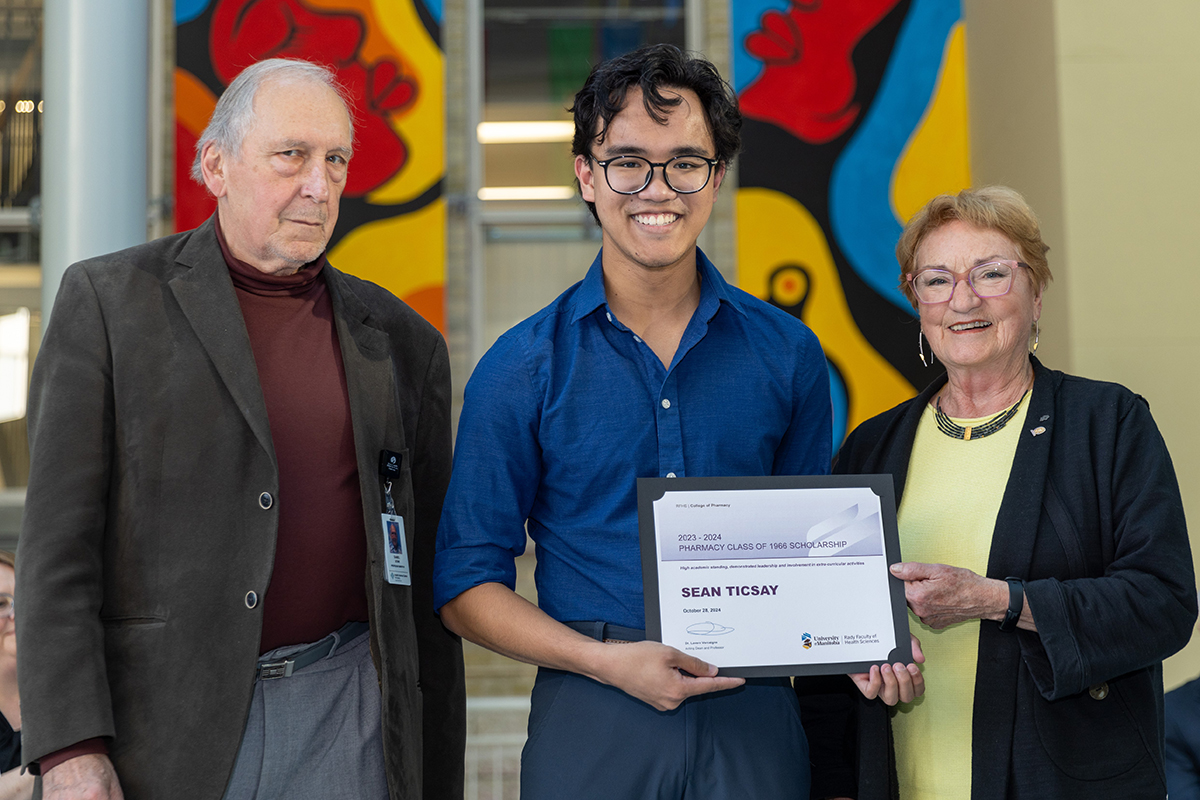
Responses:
[632,174]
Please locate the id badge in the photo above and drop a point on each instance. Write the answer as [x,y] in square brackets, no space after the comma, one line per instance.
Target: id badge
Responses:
[395,550]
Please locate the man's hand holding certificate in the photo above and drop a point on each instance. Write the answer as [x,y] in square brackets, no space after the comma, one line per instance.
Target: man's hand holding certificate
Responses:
[775,576]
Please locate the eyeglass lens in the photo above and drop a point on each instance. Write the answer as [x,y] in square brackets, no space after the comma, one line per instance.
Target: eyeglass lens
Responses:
[987,280]
[632,174]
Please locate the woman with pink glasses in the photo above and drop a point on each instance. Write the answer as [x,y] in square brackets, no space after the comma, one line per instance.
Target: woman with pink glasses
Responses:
[1047,566]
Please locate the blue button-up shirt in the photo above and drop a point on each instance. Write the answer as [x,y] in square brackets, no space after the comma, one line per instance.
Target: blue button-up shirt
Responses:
[570,407]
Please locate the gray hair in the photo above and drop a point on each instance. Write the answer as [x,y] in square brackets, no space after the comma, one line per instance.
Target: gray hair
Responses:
[233,117]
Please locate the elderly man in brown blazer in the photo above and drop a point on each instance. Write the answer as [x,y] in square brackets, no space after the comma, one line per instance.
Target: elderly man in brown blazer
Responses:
[223,427]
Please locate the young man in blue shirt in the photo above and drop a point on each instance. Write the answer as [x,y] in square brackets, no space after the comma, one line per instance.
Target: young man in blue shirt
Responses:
[651,366]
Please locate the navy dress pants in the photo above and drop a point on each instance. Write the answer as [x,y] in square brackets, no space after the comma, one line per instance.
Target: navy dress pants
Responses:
[588,740]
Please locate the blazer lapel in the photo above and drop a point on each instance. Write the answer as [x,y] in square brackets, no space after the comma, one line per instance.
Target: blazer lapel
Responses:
[1021,508]
[370,383]
[205,293]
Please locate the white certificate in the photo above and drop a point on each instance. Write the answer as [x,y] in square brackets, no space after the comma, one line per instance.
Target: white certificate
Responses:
[774,576]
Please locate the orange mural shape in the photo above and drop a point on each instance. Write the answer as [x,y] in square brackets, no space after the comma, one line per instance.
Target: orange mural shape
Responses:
[194,104]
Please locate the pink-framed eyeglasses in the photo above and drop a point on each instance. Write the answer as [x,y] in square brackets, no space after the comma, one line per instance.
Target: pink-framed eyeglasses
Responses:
[993,279]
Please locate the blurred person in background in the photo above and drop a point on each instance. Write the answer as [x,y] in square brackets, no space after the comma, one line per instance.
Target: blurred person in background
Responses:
[13,784]
[1181,708]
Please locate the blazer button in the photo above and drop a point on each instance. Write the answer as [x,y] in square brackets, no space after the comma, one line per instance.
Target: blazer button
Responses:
[1099,691]
[265,501]
[251,599]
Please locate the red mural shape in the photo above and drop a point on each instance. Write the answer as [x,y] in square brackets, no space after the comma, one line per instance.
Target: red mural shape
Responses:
[246,31]
[193,203]
[808,80]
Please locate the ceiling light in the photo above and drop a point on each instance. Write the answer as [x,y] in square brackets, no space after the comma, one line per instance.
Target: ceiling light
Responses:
[526,192]
[524,132]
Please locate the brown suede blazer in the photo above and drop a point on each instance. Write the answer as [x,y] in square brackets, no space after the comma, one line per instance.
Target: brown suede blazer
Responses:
[143,531]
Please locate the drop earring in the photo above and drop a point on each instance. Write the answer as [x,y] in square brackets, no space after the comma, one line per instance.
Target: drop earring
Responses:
[921,350]
[1037,334]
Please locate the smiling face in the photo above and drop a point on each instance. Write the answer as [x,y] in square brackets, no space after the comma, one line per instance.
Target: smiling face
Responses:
[969,332]
[278,198]
[656,228]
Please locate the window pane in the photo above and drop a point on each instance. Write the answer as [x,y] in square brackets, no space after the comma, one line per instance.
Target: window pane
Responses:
[538,54]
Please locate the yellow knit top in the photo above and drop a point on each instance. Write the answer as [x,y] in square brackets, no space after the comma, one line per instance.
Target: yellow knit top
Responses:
[951,498]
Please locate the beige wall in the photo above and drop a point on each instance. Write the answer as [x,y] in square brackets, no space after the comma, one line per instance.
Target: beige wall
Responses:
[1090,108]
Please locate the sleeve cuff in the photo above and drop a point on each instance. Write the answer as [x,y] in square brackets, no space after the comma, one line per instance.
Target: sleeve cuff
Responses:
[96,746]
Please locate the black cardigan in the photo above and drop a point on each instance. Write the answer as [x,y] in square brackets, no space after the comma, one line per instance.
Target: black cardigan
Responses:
[1093,522]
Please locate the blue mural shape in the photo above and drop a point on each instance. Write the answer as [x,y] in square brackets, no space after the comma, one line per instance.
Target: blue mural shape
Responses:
[861,213]
[434,7]
[188,10]
[745,17]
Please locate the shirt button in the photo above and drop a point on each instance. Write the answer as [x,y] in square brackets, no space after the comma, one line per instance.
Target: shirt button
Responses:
[1099,691]
[636,339]
[666,403]
[251,599]
[609,315]
[265,501]
[670,474]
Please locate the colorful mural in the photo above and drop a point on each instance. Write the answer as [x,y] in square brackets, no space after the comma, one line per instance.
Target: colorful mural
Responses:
[386,53]
[855,115]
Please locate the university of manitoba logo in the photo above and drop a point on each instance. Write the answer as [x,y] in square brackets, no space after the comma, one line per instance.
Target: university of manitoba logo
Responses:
[806,639]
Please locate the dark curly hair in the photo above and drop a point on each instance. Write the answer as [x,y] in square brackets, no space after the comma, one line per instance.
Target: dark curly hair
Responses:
[653,68]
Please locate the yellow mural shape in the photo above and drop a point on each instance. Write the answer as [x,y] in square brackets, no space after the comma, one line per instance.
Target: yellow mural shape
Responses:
[936,159]
[401,255]
[777,238]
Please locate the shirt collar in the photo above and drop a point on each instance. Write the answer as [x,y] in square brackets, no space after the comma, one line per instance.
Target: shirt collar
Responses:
[713,290]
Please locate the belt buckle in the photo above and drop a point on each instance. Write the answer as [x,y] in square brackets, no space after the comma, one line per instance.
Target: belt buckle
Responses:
[276,669]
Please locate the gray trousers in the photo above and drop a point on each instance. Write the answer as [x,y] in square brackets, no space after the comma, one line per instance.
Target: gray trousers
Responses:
[315,734]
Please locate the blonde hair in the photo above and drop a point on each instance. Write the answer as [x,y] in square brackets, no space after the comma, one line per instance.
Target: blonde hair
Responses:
[997,208]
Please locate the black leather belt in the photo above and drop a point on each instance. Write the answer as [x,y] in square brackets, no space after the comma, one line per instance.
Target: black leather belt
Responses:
[607,632]
[284,667]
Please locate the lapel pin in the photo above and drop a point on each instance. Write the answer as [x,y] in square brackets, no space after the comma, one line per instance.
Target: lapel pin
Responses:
[1038,430]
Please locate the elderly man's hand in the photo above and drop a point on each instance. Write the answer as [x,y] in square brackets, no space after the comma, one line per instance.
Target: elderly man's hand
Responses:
[657,674]
[941,595]
[894,683]
[86,777]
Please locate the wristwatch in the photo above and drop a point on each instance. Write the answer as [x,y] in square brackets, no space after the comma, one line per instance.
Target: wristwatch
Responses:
[1016,603]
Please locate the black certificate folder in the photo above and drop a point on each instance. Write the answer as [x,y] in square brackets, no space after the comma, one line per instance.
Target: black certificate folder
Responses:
[774,576]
